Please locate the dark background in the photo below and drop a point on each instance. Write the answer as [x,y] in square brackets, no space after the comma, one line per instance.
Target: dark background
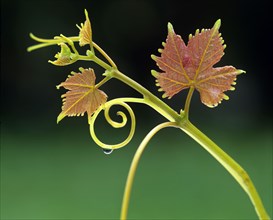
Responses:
[56,171]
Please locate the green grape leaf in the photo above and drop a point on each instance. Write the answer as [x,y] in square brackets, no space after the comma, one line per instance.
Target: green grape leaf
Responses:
[83,96]
[192,66]
[65,57]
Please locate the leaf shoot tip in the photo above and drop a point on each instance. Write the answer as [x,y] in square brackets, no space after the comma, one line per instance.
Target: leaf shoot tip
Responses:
[154,73]
[86,13]
[59,118]
[217,24]
[153,57]
[241,71]
[170,27]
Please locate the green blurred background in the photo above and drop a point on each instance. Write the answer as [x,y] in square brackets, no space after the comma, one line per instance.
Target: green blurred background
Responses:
[51,171]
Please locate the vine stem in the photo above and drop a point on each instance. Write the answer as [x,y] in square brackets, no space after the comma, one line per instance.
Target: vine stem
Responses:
[134,164]
[239,174]
[150,99]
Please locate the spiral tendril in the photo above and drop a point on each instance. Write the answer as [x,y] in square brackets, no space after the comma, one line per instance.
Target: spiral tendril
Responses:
[106,107]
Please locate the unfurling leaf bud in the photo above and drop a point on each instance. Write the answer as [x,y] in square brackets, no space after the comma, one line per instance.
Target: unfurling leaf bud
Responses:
[65,57]
[85,34]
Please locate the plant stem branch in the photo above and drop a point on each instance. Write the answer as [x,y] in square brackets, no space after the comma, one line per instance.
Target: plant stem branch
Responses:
[96,60]
[134,164]
[239,174]
[151,100]
[62,39]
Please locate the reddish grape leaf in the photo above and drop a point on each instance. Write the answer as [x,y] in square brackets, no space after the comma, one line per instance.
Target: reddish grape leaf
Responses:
[85,34]
[192,66]
[82,96]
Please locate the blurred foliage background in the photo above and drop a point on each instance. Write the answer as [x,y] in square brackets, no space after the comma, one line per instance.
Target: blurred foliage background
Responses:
[51,171]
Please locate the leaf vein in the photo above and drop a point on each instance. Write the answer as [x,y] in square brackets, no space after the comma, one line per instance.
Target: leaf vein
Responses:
[180,61]
[174,81]
[175,70]
[215,76]
[203,55]
[75,103]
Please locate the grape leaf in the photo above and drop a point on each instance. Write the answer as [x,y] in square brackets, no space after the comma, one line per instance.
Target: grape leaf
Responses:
[85,35]
[65,57]
[82,96]
[192,66]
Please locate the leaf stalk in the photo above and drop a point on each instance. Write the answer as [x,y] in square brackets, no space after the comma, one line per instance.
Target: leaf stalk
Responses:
[188,101]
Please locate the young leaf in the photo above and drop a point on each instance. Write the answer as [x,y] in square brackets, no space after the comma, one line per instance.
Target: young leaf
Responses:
[82,96]
[65,57]
[192,66]
[85,34]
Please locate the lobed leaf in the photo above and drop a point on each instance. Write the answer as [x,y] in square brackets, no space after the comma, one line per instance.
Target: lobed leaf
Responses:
[83,96]
[192,65]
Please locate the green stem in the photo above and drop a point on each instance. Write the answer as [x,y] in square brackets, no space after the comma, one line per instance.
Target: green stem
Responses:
[104,80]
[62,39]
[150,99]
[239,174]
[134,164]
[96,60]
[188,101]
